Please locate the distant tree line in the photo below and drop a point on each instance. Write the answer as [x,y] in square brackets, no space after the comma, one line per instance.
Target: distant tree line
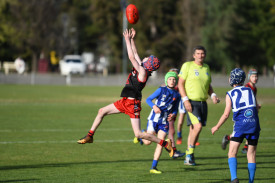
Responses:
[236,33]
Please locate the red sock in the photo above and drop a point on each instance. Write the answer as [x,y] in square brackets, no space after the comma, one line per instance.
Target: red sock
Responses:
[245,146]
[91,133]
[163,143]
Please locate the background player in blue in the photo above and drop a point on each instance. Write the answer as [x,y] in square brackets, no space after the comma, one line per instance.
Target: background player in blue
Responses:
[252,77]
[246,123]
[163,110]
[181,112]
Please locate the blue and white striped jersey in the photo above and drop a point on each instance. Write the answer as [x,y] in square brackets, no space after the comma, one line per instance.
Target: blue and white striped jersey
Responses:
[245,114]
[167,101]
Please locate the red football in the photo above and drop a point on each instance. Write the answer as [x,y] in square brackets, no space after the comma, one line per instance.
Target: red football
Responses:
[132,14]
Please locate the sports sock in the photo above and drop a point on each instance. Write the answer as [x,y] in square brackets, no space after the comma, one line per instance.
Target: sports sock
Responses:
[251,171]
[191,149]
[179,134]
[232,162]
[91,133]
[163,143]
[228,137]
[154,164]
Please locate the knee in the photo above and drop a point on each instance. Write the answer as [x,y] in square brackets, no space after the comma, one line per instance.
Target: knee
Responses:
[231,155]
[101,112]
[198,127]
[139,134]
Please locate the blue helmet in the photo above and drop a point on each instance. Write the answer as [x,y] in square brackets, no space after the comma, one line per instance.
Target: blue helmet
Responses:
[151,64]
[237,76]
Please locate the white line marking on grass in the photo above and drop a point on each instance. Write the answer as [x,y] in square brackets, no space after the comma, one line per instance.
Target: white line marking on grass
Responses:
[60,142]
[81,130]
[97,141]
[63,130]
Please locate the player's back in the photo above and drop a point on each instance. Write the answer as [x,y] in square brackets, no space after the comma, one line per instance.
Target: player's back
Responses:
[245,114]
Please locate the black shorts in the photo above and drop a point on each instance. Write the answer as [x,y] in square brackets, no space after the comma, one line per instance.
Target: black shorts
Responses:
[200,110]
[252,139]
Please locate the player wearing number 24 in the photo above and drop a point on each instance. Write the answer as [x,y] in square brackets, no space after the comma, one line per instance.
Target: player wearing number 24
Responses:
[246,123]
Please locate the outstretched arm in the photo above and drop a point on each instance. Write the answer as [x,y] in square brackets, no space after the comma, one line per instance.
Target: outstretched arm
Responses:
[133,33]
[131,56]
[225,115]
[136,63]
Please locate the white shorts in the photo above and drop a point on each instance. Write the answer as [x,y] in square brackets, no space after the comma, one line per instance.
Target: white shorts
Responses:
[181,107]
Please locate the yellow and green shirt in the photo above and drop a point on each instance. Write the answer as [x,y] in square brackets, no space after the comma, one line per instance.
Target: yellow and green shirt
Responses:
[197,80]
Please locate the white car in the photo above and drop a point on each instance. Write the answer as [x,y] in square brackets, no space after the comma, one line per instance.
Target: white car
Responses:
[72,64]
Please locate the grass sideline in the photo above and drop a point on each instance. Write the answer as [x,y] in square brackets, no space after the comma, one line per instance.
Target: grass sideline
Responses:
[41,124]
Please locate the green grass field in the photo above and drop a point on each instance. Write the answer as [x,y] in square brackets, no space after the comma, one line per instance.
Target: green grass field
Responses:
[39,127]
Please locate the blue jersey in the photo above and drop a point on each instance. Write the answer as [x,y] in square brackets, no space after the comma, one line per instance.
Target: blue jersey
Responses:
[245,114]
[167,101]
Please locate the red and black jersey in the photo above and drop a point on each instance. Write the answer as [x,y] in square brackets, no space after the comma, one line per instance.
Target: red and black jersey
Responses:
[133,86]
[254,89]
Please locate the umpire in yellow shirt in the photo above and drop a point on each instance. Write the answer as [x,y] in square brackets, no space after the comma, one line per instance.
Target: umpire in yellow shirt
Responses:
[195,86]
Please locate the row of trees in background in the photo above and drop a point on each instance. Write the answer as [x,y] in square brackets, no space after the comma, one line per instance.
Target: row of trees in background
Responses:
[235,32]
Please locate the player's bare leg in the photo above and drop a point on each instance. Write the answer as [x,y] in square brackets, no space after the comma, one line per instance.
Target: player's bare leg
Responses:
[194,131]
[171,132]
[148,142]
[143,135]
[161,135]
[179,127]
[102,112]
[109,109]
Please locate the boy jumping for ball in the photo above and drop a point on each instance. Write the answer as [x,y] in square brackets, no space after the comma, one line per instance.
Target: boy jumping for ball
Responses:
[130,104]
[164,110]
[243,103]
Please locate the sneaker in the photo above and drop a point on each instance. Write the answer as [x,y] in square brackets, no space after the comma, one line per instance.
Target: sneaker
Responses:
[179,140]
[86,139]
[197,144]
[225,141]
[169,148]
[178,154]
[155,171]
[137,140]
[244,150]
[189,160]
[235,180]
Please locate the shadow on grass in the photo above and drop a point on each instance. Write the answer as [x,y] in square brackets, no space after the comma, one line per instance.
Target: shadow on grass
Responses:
[2,168]
[20,180]
[228,180]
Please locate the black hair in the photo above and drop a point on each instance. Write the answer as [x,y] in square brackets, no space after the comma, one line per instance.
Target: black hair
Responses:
[199,48]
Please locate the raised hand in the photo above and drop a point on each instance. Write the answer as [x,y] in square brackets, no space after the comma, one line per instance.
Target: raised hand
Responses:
[133,33]
[126,34]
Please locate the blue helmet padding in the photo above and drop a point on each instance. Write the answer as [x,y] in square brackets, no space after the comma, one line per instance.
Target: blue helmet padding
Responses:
[237,76]
[151,64]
